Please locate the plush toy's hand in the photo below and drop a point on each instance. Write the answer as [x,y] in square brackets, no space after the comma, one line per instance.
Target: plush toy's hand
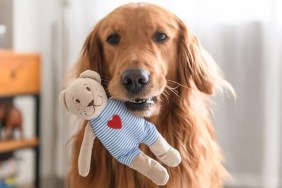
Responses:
[84,159]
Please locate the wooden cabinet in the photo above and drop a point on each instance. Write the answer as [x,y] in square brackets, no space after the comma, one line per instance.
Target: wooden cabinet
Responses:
[20,75]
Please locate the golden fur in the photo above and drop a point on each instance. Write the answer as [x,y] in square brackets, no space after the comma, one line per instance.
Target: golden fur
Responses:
[183,75]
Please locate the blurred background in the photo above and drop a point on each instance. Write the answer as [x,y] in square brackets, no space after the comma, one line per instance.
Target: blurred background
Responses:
[244,37]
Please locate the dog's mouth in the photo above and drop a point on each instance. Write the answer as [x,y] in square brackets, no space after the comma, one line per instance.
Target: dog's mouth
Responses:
[139,104]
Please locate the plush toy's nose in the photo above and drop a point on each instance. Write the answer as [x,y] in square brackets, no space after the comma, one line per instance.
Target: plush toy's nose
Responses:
[91,103]
[135,80]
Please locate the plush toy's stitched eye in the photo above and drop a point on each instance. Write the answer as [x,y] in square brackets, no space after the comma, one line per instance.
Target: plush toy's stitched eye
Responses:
[88,88]
[78,101]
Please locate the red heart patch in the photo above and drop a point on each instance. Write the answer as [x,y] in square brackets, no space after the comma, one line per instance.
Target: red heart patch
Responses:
[115,122]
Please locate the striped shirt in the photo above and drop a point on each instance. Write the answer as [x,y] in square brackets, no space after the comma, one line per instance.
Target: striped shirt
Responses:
[121,132]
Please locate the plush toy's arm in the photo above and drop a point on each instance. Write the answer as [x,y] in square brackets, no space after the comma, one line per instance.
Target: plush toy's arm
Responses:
[84,159]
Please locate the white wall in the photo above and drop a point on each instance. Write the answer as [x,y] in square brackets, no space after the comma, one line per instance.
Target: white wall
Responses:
[26,38]
[33,22]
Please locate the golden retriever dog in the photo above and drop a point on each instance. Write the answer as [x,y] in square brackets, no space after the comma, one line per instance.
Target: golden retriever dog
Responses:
[149,59]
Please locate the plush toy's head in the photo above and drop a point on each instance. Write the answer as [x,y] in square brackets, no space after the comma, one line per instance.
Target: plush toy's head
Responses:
[85,96]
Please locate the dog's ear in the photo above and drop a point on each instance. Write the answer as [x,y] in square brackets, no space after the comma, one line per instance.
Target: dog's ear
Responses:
[194,62]
[91,54]
[91,74]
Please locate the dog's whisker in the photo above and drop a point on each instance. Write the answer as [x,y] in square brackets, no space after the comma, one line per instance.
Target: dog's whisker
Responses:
[166,91]
[105,80]
[104,76]
[172,90]
[178,84]
[164,95]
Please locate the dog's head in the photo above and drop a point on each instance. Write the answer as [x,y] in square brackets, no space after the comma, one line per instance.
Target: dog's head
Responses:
[142,49]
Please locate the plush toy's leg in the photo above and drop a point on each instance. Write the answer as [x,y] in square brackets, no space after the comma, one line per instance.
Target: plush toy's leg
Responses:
[150,168]
[84,158]
[165,153]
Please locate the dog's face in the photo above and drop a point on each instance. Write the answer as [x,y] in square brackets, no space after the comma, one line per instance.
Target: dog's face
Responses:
[137,49]
[139,46]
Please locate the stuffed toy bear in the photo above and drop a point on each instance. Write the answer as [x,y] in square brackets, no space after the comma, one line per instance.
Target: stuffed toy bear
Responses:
[120,131]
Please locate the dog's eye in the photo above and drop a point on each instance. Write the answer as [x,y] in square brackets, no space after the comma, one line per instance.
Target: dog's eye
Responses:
[113,39]
[88,89]
[160,37]
[78,101]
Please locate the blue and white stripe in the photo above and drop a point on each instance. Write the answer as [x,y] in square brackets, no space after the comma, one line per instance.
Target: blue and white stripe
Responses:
[123,143]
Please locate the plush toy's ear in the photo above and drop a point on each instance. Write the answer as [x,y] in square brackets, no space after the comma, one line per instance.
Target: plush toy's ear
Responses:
[91,74]
[62,100]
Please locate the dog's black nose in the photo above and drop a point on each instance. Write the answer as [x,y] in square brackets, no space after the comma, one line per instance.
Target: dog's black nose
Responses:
[135,80]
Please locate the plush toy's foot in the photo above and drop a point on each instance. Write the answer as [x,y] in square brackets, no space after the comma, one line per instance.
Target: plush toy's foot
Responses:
[165,153]
[150,168]
[171,158]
